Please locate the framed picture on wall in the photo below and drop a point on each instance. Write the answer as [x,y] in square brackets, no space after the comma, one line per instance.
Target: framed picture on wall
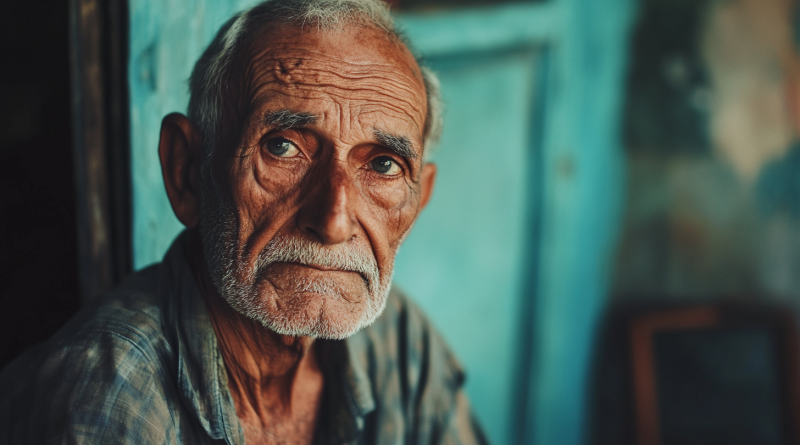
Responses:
[715,375]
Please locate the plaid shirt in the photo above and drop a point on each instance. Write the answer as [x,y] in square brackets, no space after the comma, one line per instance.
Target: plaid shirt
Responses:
[142,366]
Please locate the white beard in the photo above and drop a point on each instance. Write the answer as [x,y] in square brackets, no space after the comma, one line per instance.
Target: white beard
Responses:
[241,286]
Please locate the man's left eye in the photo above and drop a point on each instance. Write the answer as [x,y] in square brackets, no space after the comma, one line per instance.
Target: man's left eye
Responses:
[385,166]
[282,148]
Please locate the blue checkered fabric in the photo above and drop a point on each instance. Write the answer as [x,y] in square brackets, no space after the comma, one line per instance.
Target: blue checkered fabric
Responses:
[142,366]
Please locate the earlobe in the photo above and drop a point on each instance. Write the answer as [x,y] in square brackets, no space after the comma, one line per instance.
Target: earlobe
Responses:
[180,153]
[427,181]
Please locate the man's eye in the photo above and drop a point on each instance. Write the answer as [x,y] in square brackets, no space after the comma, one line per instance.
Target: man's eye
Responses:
[281,147]
[385,166]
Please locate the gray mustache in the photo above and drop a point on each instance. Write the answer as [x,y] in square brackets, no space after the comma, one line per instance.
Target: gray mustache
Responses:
[347,256]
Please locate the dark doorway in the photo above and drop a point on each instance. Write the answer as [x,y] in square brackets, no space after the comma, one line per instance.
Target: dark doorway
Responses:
[38,246]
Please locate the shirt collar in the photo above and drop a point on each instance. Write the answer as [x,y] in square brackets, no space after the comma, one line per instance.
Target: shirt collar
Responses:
[348,390]
[201,375]
[203,380]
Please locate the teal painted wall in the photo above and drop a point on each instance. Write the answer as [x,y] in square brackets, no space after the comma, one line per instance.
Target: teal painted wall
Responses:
[465,259]
[166,38]
[511,259]
[527,338]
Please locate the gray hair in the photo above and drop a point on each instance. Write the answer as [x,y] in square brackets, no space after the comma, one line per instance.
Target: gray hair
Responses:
[211,74]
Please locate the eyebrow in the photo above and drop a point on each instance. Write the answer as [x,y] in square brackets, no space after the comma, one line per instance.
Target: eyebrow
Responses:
[398,144]
[285,119]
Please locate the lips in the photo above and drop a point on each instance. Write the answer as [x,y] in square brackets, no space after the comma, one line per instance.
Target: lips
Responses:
[322,268]
[298,277]
[331,269]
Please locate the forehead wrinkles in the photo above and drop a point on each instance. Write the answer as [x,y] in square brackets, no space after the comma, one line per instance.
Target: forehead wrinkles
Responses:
[313,75]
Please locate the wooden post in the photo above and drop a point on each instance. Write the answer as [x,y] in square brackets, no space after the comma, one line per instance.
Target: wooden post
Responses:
[98,56]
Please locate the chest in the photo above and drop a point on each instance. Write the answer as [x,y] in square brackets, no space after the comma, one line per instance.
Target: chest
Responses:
[276,418]
[279,431]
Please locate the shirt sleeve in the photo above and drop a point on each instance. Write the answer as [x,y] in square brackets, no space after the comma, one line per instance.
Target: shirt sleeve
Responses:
[441,413]
[97,388]
[463,428]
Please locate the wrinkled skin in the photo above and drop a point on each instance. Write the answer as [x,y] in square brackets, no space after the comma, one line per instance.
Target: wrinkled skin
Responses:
[325,187]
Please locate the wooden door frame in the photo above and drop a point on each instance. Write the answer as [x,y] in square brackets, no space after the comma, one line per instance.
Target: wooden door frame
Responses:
[101,141]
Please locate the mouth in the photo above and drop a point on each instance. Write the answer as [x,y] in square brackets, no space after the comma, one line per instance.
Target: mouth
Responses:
[320,268]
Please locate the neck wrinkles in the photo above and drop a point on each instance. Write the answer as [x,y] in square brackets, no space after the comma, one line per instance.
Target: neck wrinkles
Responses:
[263,367]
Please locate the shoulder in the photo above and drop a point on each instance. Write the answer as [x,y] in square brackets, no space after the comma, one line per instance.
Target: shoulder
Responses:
[131,311]
[103,366]
[410,345]
[420,396]
[419,378]
[128,315]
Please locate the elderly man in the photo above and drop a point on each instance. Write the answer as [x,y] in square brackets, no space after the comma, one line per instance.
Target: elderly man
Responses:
[298,172]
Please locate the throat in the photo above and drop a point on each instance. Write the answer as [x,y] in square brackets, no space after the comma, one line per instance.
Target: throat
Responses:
[278,405]
[279,410]
[275,380]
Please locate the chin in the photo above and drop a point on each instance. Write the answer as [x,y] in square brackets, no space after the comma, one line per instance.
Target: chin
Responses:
[309,313]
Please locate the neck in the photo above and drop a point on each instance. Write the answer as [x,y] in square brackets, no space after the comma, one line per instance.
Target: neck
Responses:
[269,374]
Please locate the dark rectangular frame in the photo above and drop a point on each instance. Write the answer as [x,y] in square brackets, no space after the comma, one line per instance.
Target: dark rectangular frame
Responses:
[101,141]
[645,393]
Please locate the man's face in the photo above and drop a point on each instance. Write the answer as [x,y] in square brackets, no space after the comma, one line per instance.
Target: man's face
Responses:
[326,182]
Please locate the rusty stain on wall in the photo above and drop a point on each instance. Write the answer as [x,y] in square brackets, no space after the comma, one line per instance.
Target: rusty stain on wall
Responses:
[713,207]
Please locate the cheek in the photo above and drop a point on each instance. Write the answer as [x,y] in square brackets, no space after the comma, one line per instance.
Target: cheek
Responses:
[393,195]
[393,206]
[265,196]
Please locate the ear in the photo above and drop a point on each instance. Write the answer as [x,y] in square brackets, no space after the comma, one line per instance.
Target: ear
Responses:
[427,179]
[180,153]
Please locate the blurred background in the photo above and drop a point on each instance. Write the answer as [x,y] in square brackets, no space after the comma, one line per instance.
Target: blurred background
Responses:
[613,246]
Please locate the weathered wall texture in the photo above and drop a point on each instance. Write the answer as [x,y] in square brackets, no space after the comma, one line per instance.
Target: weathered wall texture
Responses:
[714,163]
[166,40]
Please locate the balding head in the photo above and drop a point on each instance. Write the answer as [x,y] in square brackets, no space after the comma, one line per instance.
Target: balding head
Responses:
[321,119]
[218,84]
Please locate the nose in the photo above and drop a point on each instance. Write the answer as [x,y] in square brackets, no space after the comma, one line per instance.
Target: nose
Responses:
[328,211]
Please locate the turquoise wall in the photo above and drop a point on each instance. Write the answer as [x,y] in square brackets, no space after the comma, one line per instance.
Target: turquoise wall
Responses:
[465,261]
[166,38]
[511,258]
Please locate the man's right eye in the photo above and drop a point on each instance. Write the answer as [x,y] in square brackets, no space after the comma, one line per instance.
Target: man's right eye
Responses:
[281,147]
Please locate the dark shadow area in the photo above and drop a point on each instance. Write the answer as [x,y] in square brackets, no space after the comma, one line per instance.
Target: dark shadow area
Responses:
[696,374]
[38,249]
